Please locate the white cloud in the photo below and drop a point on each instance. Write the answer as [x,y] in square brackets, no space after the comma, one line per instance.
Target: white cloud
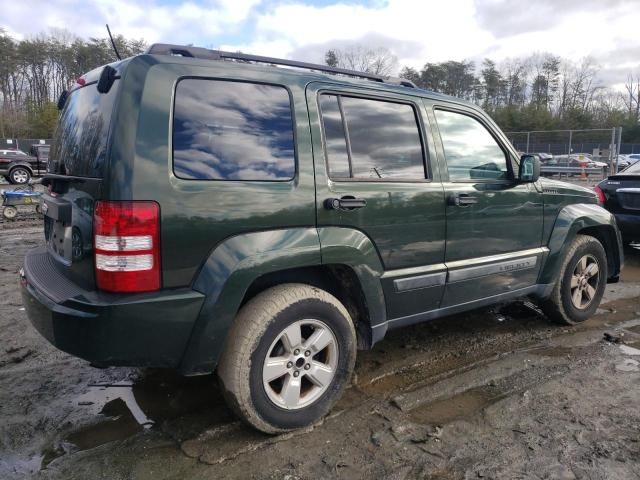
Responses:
[416,31]
[153,20]
[442,30]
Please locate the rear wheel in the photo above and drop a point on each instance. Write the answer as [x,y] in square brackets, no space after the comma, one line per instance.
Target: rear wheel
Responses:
[19,176]
[288,357]
[581,283]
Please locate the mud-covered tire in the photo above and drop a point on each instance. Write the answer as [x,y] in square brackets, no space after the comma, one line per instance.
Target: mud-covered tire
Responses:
[560,306]
[250,344]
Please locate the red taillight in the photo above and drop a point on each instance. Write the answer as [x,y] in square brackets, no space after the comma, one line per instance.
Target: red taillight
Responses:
[600,194]
[127,246]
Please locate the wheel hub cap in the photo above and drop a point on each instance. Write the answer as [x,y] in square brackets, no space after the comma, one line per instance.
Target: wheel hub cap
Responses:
[300,364]
[19,177]
[584,282]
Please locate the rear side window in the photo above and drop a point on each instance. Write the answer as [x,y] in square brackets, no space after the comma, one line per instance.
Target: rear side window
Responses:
[371,139]
[470,150]
[224,130]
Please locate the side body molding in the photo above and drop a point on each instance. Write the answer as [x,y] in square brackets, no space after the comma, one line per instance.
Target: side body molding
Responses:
[351,247]
[570,220]
[227,274]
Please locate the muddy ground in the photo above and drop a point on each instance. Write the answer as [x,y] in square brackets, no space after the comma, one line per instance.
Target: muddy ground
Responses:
[496,393]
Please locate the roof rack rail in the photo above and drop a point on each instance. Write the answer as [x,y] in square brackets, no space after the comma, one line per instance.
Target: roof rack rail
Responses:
[207,54]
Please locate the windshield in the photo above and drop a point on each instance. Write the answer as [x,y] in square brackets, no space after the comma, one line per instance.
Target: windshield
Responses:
[80,143]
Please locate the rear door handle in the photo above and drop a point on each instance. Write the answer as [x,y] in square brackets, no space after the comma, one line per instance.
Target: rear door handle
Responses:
[462,199]
[345,203]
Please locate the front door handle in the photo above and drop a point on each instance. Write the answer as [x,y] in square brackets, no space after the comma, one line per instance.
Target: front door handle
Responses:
[462,199]
[345,203]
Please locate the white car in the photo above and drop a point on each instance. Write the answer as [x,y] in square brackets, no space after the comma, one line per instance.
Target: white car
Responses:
[625,161]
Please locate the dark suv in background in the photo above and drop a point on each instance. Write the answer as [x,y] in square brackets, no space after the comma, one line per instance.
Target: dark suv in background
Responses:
[212,211]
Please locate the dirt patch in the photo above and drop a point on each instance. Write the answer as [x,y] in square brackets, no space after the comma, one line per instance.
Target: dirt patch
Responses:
[495,393]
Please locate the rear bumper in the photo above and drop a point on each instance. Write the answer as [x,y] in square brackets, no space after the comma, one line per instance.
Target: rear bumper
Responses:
[150,329]
[629,225]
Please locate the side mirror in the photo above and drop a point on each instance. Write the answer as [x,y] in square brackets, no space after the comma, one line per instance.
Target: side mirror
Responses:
[529,169]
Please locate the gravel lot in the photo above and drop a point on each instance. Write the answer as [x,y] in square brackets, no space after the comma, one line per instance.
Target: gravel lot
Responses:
[498,393]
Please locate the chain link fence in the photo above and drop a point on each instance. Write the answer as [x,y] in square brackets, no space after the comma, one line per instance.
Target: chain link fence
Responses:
[574,148]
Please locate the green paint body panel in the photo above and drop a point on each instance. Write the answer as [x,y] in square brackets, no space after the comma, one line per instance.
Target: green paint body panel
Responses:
[227,274]
[569,222]
[414,255]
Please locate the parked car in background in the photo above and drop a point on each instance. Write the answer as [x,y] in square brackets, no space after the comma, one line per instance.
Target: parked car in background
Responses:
[17,167]
[41,152]
[625,161]
[620,194]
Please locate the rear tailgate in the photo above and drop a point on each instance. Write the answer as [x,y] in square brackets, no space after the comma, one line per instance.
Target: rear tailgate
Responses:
[76,167]
[629,198]
[623,193]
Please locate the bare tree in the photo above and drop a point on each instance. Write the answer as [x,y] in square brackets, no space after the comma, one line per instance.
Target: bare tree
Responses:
[632,98]
[379,61]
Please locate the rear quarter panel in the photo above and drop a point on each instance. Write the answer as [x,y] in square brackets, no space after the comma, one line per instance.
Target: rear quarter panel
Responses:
[197,215]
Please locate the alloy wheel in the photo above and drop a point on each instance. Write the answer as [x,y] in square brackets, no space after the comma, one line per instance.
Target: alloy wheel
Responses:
[584,282]
[300,364]
[20,176]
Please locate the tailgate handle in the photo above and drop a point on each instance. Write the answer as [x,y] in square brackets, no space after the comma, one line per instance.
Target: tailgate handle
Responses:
[344,203]
[57,209]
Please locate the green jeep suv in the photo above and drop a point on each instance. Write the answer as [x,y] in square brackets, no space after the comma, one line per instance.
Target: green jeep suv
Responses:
[263,218]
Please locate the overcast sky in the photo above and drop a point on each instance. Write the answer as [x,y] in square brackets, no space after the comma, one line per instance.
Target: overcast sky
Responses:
[416,31]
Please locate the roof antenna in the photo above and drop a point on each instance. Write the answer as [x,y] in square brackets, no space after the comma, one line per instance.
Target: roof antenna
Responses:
[115,49]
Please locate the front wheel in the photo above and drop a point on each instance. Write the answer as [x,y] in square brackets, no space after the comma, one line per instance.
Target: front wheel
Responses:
[288,357]
[581,283]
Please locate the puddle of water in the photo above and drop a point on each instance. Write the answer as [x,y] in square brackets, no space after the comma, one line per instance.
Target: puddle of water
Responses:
[628,365]
[459,406]
[121,425]
[180,405]
[627,350]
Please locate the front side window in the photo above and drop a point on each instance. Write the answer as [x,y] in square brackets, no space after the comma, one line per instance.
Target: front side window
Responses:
[224,130]
[470,150]
[371,139]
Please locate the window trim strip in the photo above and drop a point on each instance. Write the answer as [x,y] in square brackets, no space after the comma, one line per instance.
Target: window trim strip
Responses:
[347,138]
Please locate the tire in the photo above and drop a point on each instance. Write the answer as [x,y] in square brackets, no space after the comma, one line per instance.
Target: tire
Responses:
[562,304]
[263,329]
[9,212]
[19,176]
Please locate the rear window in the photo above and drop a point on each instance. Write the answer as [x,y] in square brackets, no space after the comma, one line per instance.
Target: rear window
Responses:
[228,130]
[80,142]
